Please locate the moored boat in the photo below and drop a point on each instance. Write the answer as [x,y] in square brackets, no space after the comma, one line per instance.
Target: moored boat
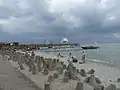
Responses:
[89,47]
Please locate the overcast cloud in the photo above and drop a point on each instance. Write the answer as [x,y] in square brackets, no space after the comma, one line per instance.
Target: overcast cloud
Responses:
[82,21]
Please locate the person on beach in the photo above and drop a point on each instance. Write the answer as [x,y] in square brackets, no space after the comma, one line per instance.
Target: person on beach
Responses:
[74,60]
[69,57]
[83,57]
[59,55]
[70,54]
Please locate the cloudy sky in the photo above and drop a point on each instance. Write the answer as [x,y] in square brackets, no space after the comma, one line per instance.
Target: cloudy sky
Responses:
[84,21]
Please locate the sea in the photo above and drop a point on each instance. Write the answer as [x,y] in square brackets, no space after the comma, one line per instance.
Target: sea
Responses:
[107,53]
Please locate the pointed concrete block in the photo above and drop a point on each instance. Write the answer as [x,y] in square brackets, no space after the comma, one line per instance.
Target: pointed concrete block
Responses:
[83,73]
[91,80]
[98,81]
[50,78]
[79,86]
[111,87]
[56,75]
[99,87]
[92,71]
[65,79]
[45,72]
[118,79]
[47,86]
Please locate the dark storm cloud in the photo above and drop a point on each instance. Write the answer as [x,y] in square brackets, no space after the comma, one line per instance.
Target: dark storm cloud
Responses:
[81,21]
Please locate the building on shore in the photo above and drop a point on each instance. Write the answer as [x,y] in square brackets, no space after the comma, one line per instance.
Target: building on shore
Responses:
[64,41]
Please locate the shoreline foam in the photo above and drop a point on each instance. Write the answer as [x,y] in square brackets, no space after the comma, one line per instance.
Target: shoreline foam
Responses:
[103,62]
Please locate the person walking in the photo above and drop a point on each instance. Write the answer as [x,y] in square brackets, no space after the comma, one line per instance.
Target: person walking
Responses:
[83,57]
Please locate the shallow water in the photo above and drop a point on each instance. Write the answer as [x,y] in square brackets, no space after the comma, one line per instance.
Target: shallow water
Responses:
[109,52]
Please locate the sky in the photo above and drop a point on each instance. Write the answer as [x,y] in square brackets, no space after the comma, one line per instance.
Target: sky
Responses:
[83,21]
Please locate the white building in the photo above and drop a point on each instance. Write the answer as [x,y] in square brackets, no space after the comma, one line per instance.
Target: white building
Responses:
[64,40]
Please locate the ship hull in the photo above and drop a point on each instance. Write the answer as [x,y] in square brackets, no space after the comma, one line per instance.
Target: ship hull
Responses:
[90,47]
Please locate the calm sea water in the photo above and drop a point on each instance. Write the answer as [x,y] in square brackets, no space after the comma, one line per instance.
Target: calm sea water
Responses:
[109,52]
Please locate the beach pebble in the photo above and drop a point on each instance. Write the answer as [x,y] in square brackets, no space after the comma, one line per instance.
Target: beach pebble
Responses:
[83,73]
[92,71]
[111,87]
[118,79]
[79,86]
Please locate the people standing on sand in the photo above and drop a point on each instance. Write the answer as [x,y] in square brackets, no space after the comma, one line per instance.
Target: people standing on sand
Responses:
[70,54]
[59,55]
[74,60]
[83,57]
[69,57]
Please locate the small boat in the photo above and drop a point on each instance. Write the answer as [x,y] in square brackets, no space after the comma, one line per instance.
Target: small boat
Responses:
[90,47]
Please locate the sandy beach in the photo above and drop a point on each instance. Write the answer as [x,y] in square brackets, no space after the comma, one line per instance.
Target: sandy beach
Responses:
[107,74]
[59,44]
[104,71]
